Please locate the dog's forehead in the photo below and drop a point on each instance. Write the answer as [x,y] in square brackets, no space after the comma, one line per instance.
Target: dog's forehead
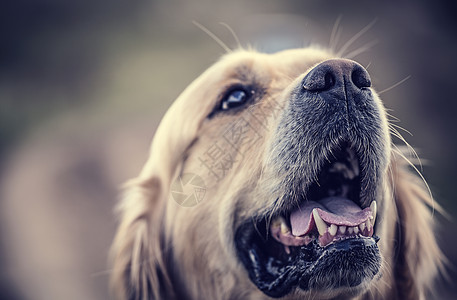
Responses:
[244,64]
[298,61]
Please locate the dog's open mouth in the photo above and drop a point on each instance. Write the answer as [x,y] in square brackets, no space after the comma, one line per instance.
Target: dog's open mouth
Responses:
[332,211]
[328,233]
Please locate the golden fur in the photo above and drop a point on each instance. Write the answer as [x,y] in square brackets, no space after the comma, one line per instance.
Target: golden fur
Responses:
[165,251]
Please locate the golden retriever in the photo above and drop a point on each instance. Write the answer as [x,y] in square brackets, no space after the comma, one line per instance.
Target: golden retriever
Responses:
[274,176]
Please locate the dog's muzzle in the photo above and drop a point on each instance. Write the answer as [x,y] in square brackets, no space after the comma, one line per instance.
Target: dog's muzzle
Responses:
[328,157]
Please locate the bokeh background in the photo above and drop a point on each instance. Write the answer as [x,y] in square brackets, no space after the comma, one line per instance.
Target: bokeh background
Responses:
[83,85]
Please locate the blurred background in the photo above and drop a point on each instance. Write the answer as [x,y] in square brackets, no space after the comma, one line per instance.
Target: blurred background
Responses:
[84,84]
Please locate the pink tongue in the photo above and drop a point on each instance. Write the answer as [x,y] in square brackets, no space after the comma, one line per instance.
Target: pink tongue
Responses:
[333,210]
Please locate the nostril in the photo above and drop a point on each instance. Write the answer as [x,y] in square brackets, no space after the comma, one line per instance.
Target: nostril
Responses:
[360,77]
[319,80]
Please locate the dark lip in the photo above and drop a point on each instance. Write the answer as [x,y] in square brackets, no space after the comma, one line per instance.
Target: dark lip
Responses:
[277,275]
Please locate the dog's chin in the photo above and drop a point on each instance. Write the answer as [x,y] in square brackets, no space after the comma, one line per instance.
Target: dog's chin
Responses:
[326,247]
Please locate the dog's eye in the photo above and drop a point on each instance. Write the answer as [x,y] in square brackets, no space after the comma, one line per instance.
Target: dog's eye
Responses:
[234,98]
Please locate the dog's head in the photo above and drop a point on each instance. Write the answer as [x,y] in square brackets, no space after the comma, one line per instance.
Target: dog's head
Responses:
[294,185]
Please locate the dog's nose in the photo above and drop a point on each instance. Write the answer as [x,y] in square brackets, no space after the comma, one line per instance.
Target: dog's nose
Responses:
[338,75]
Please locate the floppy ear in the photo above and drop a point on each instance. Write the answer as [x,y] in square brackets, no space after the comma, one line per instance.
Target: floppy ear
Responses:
[139,270]
[418,258]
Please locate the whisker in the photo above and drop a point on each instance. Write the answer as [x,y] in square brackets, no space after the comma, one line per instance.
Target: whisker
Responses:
[335,35]
[213,36]
[434,207]
[368,65]
[355,37]
[392,132]
[410,148]
[235,36]
[395,85]
[393,191]
[394,118]
[362,49]
[401,128]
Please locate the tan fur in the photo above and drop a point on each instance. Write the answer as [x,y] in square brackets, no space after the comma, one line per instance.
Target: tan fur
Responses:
[164,251]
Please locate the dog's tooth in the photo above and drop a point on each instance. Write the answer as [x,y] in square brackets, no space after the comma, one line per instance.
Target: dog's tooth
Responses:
[350,230]
[277,222]
[333,229]
[284,228]
[356,229]
[362,227]
[321,226]
[368,223]
[374,210]
[342,229]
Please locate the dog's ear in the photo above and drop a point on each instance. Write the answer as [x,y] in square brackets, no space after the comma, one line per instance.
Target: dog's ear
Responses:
[417,255]
[137,254]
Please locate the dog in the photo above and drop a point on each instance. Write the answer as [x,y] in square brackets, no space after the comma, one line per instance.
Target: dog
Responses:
[275,176]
